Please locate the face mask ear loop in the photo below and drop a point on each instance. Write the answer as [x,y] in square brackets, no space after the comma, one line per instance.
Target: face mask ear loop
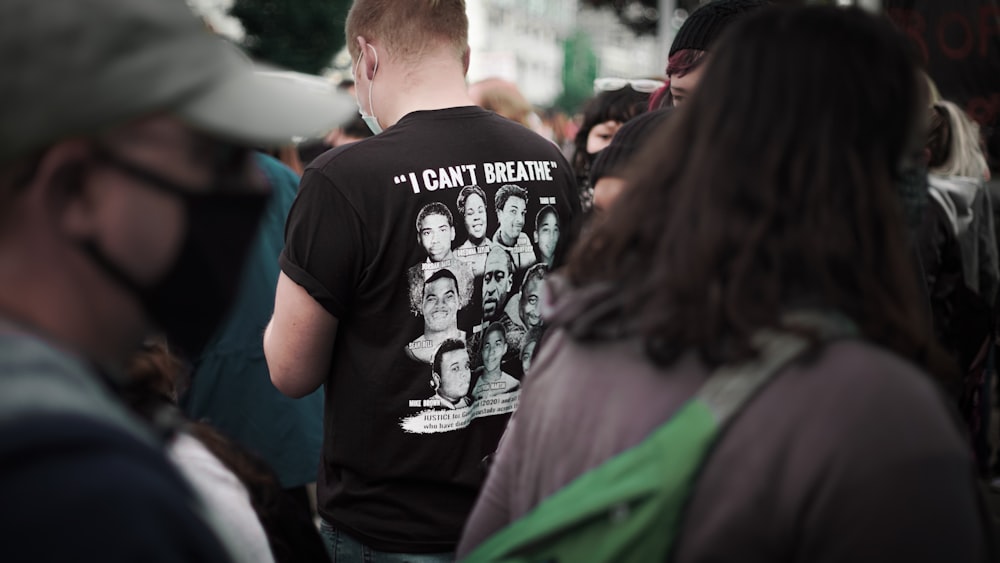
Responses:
[371,84]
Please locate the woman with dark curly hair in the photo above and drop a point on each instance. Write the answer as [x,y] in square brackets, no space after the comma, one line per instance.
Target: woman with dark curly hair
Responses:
[774,217]
[602,116]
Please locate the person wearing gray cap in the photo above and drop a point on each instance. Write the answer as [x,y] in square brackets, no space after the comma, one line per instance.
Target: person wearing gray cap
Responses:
[127,201]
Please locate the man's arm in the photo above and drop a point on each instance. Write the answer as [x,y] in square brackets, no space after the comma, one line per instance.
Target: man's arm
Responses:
[298,342]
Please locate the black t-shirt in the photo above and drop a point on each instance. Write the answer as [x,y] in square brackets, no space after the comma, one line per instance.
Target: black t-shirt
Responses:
[423,242]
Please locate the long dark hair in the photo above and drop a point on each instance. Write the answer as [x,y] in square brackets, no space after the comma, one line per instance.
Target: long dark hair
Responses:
[772,189]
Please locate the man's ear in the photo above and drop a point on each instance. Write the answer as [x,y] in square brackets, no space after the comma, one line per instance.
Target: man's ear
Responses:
[435,381]
[369,56]
[465,60]
[61,179]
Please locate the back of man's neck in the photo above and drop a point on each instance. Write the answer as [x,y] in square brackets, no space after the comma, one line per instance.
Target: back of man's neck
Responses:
[433,85]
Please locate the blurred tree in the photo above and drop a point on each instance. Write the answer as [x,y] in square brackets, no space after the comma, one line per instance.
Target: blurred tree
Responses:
[641,16]
[301,35]
[579,72]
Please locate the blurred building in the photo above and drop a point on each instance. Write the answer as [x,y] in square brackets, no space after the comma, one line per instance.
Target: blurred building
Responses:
[521,41]
[518,40]
[620,52]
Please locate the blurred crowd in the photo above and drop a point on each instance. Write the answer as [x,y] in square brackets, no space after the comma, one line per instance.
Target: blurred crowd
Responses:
[741,311]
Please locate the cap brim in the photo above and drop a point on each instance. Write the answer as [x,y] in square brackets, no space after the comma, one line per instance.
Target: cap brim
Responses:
[269,108]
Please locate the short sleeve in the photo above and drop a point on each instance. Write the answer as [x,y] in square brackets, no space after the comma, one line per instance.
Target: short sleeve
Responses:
[325,244]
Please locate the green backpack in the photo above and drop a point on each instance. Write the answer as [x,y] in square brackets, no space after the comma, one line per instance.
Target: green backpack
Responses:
[630,507]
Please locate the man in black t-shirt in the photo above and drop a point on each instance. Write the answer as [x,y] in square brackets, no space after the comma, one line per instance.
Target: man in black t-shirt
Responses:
[399,475]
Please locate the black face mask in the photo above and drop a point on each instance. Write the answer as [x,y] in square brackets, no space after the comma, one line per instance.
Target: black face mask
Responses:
[190,301]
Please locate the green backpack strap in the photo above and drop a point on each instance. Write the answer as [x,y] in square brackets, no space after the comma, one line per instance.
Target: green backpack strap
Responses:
[630,507]
[729,388]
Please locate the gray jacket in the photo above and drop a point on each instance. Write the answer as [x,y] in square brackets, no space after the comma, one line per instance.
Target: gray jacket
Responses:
[967,204]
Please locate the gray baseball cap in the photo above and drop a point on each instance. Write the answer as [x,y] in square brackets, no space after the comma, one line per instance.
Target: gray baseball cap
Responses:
[77,67]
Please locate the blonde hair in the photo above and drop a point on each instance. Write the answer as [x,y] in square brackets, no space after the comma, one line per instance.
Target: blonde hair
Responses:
[409,28]
[503,98]
[934,96]
[964,156]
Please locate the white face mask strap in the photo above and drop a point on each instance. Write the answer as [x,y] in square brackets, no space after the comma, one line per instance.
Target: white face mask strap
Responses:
[371,82]
[357,65]
[370,120]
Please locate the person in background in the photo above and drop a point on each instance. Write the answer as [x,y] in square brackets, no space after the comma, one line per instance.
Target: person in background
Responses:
[959,258]
[692,44]
[616,101]
[563,129]
[344,302]
[129,198]
[613,163]
[231,386]
[712,251]
[350,132]
[353,131]
[505,98]
[288,155]
[957,174]
[263,522]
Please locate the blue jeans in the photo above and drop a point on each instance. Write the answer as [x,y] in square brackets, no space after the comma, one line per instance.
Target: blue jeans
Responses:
[345,549]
